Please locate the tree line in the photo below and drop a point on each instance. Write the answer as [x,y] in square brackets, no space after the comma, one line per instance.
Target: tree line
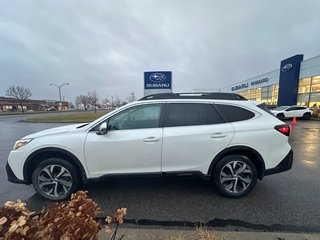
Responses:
[91,101]
[84,102]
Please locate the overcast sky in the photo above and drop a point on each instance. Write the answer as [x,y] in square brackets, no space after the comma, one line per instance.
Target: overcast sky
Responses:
[107,45]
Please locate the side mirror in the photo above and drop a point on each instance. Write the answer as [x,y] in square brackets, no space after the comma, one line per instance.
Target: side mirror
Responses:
[103,129]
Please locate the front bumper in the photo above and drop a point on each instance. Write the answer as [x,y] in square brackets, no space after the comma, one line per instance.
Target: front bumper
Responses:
[284,165]
[12,177]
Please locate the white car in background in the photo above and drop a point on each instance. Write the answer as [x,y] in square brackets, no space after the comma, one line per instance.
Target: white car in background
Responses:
[283,112]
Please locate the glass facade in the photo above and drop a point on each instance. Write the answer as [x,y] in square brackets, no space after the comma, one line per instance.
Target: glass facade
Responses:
[297,82]
[267,94]
[309,91]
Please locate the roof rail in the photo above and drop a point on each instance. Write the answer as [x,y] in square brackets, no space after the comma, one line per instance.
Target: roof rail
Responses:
[195,95]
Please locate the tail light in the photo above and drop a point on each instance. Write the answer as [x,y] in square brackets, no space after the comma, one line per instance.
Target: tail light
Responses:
[284,129]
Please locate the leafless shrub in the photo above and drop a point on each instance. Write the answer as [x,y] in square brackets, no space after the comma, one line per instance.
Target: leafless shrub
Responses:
[60,221]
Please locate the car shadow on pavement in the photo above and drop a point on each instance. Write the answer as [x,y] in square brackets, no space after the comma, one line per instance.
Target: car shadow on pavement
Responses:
[155,196]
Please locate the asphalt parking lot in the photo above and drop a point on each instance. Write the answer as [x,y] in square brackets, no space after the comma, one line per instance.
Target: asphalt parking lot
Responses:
[289,201]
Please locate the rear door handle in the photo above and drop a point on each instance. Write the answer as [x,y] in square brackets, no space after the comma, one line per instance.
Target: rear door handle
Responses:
[151,139]
[218,135]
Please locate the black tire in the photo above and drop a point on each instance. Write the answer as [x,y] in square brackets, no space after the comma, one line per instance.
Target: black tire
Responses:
[306,116]
[235,176]
[55,179]
[280,116]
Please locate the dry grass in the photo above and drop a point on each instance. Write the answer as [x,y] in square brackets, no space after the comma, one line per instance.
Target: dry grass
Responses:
[70,118]
[179,236]
[204,234]
[200,234]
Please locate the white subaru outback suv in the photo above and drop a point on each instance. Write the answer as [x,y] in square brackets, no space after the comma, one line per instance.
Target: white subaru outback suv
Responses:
[220,136]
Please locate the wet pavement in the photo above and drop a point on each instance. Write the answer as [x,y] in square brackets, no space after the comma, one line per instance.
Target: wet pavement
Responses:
[11,129]
[289,201]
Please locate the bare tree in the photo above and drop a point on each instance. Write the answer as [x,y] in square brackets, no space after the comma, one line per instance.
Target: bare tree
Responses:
[106,102]
[93,99]
[131,97]
[82,100]
[113,101]
[71,106]
[20,94]
[123,103]
[116,102]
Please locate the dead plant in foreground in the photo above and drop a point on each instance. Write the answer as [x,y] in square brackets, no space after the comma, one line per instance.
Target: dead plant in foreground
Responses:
[60,221]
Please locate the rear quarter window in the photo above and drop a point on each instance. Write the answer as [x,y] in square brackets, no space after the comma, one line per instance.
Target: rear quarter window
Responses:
[232,113]
[265,108]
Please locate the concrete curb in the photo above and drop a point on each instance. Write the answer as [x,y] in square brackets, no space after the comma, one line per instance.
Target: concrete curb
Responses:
[162,234]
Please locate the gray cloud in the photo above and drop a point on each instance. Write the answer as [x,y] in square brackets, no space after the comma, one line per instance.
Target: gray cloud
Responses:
[107,45]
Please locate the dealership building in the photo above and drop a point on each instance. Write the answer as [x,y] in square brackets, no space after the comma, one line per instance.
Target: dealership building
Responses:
[297,82]
[9,104]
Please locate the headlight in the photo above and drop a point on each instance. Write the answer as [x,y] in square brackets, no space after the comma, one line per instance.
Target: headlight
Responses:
[21,143]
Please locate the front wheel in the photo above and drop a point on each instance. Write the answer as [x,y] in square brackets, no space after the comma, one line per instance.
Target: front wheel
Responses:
[55,179]
[235,176]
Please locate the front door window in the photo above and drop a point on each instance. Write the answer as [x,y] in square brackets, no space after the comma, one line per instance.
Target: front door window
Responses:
[145,116]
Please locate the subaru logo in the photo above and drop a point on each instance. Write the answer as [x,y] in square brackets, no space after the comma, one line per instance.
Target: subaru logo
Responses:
[157,77]
[286,67]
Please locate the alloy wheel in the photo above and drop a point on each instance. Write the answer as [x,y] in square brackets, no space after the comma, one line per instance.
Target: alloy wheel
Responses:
[55,180]
[235,176]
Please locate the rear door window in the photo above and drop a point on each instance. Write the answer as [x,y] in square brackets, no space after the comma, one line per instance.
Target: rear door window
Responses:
[191,114]
[232,113]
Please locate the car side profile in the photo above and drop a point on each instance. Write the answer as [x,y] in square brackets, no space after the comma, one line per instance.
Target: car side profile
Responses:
[284,112]
[218,136]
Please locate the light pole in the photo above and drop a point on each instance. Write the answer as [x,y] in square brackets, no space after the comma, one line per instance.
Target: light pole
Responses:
[59,87]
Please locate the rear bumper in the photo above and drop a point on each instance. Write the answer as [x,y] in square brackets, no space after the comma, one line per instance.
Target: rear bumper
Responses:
[284,165]
[12,177]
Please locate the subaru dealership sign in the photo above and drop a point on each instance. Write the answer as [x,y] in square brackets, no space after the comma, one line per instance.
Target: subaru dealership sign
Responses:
[289,80]
[157,82]
[248,84]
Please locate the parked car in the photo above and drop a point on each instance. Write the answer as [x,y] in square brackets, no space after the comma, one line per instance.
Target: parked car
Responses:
[284,112]
[51,109]
[218,136]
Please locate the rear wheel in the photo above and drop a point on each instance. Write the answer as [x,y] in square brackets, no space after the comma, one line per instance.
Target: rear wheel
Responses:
[55,179]
[306,116]
[280,116]
[235,176]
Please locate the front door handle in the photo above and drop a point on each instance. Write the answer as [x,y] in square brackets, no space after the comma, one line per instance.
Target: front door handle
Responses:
[151,139]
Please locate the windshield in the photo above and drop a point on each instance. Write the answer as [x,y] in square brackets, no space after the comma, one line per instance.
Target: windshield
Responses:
[280,108]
